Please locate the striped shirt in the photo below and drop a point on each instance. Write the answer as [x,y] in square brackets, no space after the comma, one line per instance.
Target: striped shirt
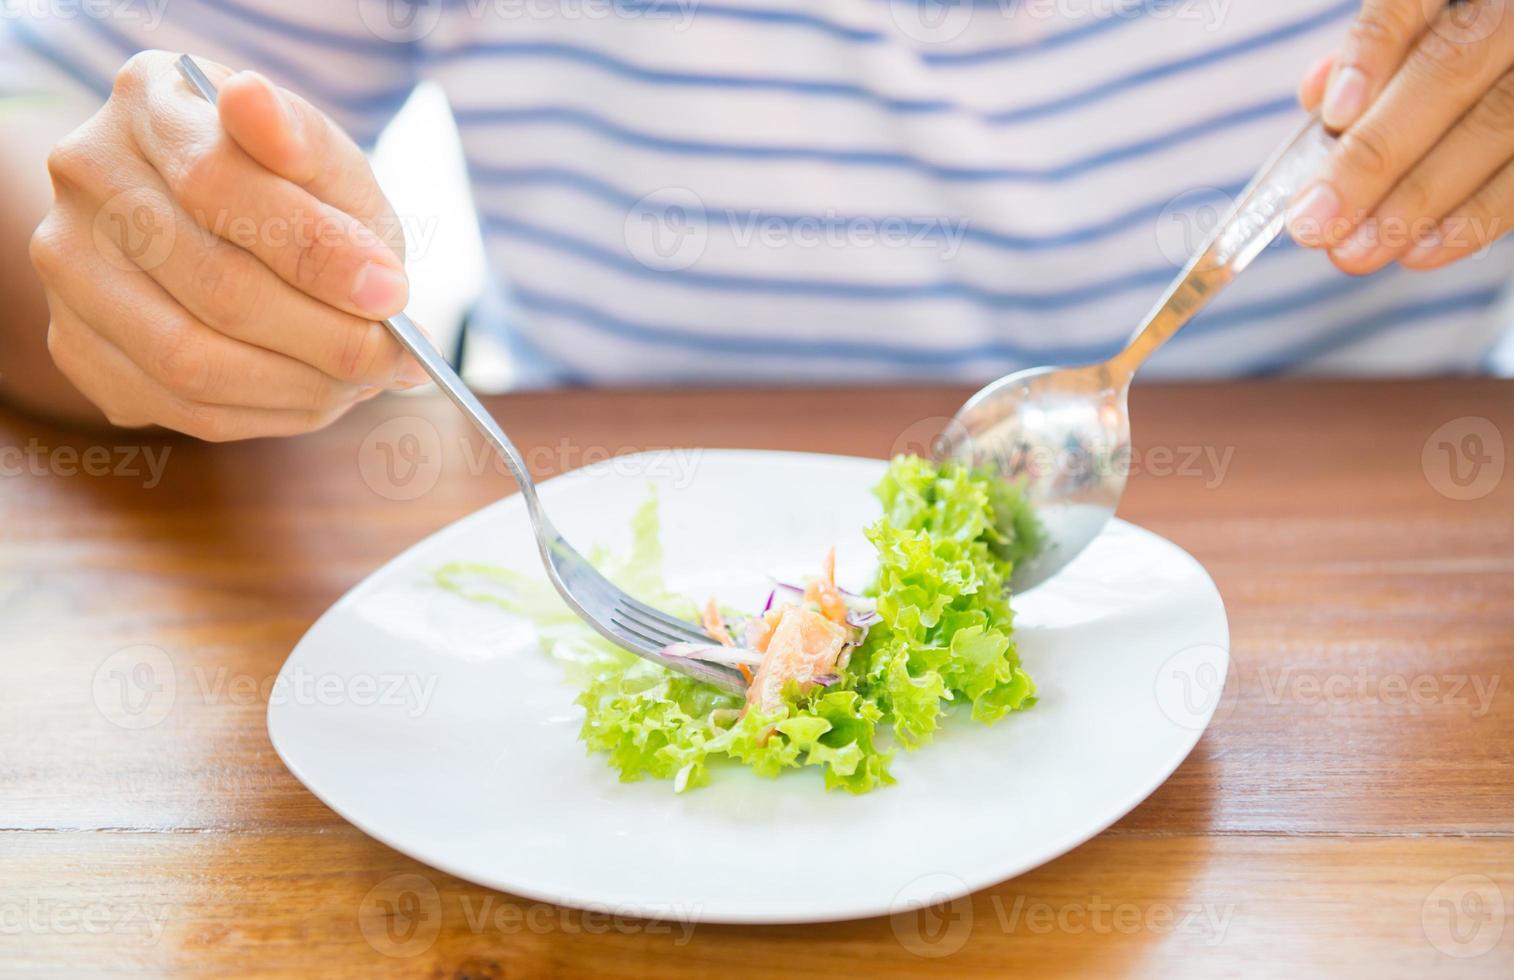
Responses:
[820,190]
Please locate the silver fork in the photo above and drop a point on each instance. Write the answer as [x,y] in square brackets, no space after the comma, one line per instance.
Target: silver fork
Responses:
[615,615]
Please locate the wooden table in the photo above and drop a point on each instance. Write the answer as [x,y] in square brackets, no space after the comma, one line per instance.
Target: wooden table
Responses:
[1351,811]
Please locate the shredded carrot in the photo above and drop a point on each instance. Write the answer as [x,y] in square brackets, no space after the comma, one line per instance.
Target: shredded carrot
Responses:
[823,592]
[715,626]
[745,672]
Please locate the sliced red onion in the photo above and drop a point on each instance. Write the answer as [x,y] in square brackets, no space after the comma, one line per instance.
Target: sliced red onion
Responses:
[713,653]
[825,680]
[862,619]
[860,603]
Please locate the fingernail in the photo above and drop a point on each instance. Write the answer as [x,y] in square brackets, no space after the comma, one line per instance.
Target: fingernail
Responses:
[379,290]
[1313,75]
[286,109]
[1311,213]
[409,375]
[1360,246]
[1345,98]
[1425,249]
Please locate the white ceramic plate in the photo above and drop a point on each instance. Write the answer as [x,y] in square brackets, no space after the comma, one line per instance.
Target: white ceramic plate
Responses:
[437,726]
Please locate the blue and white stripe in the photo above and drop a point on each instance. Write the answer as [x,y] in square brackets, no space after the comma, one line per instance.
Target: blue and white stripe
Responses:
[698,190]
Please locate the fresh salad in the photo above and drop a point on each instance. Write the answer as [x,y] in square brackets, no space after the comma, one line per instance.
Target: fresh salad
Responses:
[838,680]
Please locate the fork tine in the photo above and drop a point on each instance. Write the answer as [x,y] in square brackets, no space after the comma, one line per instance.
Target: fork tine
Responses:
[632,637]
[686,632]
[658,626]
[628,622]
[637,631]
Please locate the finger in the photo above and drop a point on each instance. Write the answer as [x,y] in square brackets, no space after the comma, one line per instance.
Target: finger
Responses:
[229,290]
[1471,227]
[1480,145]
[130,398]
[1379,38]
[1440,79]
[1311,88]
[295,140]
[179,352]
[315,247]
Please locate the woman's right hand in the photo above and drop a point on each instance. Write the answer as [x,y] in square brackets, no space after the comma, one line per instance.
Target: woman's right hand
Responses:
[219,270]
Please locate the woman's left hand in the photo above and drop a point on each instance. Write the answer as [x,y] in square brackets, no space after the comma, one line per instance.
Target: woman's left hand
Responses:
[1423,95]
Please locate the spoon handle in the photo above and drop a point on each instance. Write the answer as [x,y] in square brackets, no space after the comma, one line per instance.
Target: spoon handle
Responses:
[1255,221]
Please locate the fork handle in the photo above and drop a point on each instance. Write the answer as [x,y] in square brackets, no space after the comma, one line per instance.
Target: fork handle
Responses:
[1255,221]
[415,341]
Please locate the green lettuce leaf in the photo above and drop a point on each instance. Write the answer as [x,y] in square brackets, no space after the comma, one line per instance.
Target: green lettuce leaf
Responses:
[946,543]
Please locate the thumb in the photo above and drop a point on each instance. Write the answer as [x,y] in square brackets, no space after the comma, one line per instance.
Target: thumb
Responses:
[292,138]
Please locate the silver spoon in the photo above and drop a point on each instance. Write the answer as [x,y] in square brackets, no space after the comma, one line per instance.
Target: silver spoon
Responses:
[1063,434]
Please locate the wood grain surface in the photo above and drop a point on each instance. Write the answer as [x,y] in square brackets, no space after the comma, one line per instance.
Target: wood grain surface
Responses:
[1350,811]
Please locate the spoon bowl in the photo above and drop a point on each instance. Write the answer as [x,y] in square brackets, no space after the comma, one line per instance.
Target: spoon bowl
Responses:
[1062,435]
